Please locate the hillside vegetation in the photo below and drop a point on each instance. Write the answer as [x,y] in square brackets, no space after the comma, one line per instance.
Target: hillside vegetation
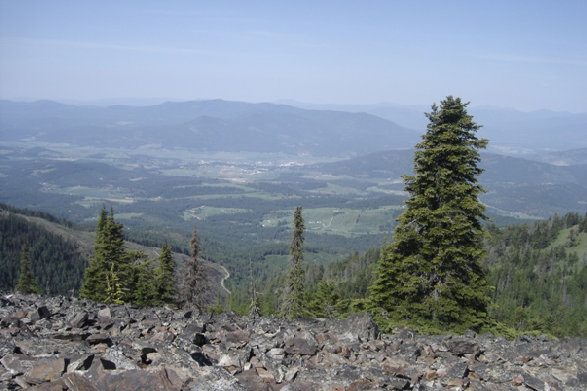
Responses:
[539,275]
[60,252]
[57,261]
[538,270]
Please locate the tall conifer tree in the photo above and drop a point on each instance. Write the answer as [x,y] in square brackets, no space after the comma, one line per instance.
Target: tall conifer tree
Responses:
[195,284]
[26,281]
[293,305]
[431,273]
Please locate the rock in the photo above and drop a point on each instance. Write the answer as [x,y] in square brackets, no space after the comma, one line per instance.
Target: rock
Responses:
[459,370]
[357,326]
[95,339]
[76,381]
[77,345]
[276,353]
[57,385]
[159,379]
[200,340]
[201,359]
[534,383]
[396,383]
[43,312]
[119,360]
[301,343]
[518,380]
[78,321]
[105,313]
[290,375]
[21,314]
[162,337]
[6,346]
[192,328]
[45,370]
[461,346]
[80,363]
[250,380]
[235,358]
[17,364]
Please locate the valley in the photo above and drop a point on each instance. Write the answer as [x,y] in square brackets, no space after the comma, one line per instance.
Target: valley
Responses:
[242,201]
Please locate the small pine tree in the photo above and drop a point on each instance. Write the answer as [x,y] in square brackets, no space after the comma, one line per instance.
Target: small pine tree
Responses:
[165,277]
[145,293]
[325,301]
[26,281]
[195,283]
[113,289]
[324,304]
[108,252]
[431,274]
[254,306]
[294,303]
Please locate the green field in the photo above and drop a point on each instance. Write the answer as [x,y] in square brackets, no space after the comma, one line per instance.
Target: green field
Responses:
[338,221]
[203,212]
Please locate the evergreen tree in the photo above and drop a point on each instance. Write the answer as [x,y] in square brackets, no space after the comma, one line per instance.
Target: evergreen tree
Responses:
[293,305]
[145,293]
[113,290]
[96,272]
[26,281]
[108,252]
[325,301]
[165,277]
[131,264]
[254,306]
[195,284]
[431,274]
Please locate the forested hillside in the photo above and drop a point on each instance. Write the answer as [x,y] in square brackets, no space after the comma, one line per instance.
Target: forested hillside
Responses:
[60,252]
[539,275]
[57,262]
[538,272]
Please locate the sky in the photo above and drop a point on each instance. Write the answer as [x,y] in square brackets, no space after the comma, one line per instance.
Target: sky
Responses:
[527,55]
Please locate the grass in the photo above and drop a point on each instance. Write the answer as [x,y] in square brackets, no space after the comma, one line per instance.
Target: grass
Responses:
[90,193]
[334,189]
[579,244]
[338,221]
[127,216]
[203,212]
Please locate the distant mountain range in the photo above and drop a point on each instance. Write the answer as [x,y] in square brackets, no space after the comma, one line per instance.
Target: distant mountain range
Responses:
[335,131]
[509,131]
[206,126]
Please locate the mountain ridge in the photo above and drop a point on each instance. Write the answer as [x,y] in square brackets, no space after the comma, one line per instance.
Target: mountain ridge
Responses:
[226,125]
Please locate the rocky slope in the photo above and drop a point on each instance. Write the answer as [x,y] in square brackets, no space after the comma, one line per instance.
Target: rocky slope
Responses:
[58,343]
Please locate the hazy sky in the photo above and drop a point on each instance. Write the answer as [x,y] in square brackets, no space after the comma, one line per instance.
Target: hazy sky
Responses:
[523,54]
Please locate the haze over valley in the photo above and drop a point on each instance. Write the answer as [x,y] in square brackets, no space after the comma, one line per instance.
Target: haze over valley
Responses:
[243,167]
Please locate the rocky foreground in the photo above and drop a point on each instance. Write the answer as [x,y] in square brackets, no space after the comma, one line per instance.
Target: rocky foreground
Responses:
[58,343]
